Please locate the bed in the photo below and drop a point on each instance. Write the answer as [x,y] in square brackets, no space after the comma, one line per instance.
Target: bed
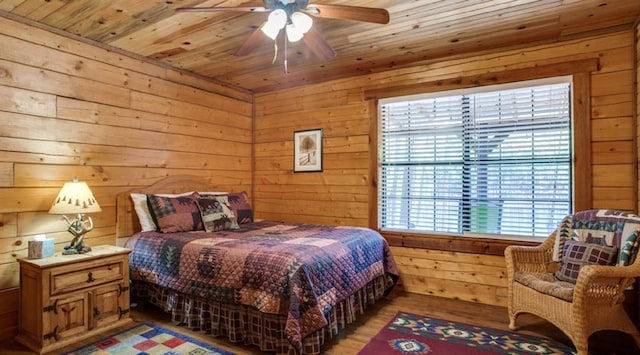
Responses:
[284,287]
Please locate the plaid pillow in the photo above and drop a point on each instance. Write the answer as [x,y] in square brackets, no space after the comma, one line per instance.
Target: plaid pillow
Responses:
[576,254]
[216,213]
[175,214]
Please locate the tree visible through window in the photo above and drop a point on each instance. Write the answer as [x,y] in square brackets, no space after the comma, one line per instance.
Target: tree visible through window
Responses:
[497,162]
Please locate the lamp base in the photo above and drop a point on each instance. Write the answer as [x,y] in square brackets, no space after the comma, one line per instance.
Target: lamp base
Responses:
[78,249]
[78,227]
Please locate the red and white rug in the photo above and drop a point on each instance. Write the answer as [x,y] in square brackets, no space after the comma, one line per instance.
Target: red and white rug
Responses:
[148,338]
[408,333]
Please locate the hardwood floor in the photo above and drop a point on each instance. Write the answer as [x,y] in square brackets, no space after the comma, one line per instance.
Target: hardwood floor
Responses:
[358,334]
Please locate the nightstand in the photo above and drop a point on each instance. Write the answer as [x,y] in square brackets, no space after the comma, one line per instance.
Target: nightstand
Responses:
[67,298]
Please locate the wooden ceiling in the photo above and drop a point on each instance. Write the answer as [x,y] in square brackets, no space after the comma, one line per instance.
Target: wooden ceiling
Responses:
[419,31]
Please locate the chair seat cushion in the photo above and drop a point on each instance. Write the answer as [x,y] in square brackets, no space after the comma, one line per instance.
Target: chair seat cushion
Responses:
[546,282]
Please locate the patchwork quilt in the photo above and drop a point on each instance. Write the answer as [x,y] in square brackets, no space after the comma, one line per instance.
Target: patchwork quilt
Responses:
[299,271]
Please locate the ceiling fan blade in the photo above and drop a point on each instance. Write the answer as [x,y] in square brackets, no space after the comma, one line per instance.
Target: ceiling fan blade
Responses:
[345,12]
[214,9]
[254,40]
[318,45]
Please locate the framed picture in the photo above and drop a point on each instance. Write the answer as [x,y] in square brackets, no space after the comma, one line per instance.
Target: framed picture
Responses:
[307,154]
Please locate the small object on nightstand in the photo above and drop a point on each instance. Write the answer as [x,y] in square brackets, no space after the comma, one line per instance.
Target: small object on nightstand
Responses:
[40,247]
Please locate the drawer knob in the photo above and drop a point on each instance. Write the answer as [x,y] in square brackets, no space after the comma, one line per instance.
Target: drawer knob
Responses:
[96,312]
[90,277]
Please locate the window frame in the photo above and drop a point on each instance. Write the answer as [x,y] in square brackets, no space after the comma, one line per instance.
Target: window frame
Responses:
[579,70]
[472,92]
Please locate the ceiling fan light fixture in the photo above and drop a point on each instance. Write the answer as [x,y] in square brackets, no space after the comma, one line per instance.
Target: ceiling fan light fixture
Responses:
[293,16]
[293,34]
[276,21]
[301,21]
[270,31]
[278,17]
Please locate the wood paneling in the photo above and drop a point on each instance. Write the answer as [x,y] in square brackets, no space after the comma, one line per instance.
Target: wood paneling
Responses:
[635,109]
[68,109]
[342,110]
[9,299]
[635,113]
[418,32]
[464,276]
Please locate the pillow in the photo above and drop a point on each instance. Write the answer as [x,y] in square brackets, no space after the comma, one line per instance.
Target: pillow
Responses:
[175,214]
[216,213]
[142,210]
[141,206]
[576,254]
[240,206]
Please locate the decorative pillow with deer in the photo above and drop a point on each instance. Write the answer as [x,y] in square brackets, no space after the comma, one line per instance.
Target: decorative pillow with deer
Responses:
[216,213]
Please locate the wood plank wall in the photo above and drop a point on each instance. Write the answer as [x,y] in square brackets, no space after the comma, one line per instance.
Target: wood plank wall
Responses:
[636,112]
[71,109]
[341,193]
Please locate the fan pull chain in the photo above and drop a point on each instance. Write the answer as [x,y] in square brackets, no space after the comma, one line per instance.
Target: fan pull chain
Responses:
[286,52]
[275,52]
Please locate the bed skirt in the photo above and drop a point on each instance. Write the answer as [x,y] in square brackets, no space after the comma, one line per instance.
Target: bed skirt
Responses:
[245,324]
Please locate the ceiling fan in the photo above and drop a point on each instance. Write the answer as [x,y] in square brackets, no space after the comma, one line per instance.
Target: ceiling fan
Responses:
[293,17]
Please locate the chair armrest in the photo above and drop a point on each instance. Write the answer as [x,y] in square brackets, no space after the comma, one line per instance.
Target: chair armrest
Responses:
[529,259]
[602,284]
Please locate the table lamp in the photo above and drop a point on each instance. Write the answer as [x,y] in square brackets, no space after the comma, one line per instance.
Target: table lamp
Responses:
[76,198]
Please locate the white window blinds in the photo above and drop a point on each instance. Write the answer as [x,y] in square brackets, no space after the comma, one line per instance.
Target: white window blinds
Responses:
[493,162]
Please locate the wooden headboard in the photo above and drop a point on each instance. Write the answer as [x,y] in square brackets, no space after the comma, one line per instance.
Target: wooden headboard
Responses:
[127,222]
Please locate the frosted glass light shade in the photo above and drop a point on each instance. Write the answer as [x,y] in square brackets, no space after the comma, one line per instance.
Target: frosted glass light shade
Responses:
[75,198]
[278,18]
[270,31]
[276,21]
[293,35]
[301,21]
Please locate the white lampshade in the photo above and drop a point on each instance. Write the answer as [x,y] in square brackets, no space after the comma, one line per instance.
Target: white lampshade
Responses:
[75,198]
[276,21]
[293,35]
[301,21]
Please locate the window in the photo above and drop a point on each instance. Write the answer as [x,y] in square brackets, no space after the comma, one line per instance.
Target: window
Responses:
[496,161]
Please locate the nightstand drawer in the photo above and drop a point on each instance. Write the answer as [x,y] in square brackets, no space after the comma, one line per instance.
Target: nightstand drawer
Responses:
[66,280]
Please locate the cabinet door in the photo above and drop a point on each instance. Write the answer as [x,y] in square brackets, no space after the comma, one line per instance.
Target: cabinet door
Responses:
[106,305]
[65,317]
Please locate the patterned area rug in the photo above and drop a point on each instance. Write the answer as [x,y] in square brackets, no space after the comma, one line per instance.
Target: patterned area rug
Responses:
[412,334]
[148,338]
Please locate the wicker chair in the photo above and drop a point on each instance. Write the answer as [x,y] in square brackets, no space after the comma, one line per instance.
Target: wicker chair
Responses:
[594,301]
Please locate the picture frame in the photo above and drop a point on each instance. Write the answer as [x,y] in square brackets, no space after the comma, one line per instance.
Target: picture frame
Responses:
[307,150]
